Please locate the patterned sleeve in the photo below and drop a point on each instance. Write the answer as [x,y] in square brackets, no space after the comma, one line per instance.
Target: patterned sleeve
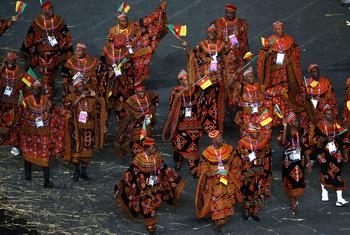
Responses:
[4,25]
[66,47]
[28,43]
[203,166]
[155,23]
[172,98]
[244,45]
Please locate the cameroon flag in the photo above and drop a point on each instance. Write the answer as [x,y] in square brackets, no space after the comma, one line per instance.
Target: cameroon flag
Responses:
[178,30]
[124,7]
[29,77]
[265,118]
[20,7]
[143,131]
[204,83]
[278,111]
[290,117]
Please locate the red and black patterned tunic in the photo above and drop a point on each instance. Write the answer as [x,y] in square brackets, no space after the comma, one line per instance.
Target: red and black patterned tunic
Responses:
[4,25]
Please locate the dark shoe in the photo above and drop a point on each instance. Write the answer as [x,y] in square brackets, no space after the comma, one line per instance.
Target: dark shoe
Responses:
[245,215]
[76,173]
[48,184]
[28,177]
[84,175]
[255,217]
[195,176]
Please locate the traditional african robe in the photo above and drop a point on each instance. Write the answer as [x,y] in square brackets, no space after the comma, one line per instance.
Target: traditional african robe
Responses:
[4,25]
[138,109]
[84,134]
[212,100]
[346,109]
[38,144]
[238,27]
[37,48]
[185,130]
[256,174]
[293,171]
[87,67]
[10,80]
[116,90]
[138,195]
[212,196]
[331,164]
[283,83]
[144,37]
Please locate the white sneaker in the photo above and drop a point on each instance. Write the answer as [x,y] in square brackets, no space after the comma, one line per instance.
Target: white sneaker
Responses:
[341,203]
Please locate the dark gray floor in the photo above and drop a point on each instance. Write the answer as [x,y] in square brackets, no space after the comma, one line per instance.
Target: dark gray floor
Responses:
[319,28]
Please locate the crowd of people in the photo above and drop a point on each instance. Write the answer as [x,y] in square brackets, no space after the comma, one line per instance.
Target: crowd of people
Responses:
[219,79]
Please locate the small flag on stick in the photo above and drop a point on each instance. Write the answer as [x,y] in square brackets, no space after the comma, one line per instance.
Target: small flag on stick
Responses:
[20,7]
[204,82]
[291,117]
[178,30]
[29,77]
[265,118]
[143,131]
[278,111]
[124,7]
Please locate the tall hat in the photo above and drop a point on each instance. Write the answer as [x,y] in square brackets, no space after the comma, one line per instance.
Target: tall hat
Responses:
[277,23]
[248,71]
[230,7]
[46,5]
[119,40]
[212,28]
[139,86]
[81,46]
[312,66]
[182,74]
[11,56]
[214,134]
[149,141]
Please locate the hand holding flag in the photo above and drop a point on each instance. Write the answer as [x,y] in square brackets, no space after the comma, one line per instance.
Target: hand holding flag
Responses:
[29,77]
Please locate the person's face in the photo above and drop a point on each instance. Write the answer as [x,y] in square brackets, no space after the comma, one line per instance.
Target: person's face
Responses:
[80,53]
[184,82]
[329,115]
[315,73]
[48,12]
[11,64]
[279,30]
[36,90]
[140,92]
[295,122]
[249,78]
[218,141]
[230,15]
[123,22]
[80,87]
[151,149]
[211,35]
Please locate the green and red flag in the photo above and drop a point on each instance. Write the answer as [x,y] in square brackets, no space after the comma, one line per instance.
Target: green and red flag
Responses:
[124,7]
[29,77]
[143,130]
[278,111]
[291,117]
[20,7]
[265,118]
[265,42]
[178,30]
[20,97]
[341,130]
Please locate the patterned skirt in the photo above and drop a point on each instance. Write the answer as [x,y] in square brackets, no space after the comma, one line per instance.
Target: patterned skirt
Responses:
[293,173]
[331,171]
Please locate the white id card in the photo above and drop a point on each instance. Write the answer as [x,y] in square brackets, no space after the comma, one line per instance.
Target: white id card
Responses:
[331,147]
[52,40]
[255,109]
[147,120]
[295,155]
[130,49]
[39,122]
[221,168]
[117,71]
[83,116]
[188,112]
[152,180]
[252,156]
[77,75]
[8,91]
[314,102]
[280,58]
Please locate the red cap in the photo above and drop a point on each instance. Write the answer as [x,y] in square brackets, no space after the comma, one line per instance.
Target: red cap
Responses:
[277,23]
[46,5]
[139,86]
[312,66]
[230,7]
[11,56]
[215,133]
[149,141]
[212,28]
[81,45]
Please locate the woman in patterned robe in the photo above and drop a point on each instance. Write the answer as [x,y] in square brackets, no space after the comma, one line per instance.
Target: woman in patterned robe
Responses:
[42,132]
[218,188]
[148,183]
[87,125]
[183,123]
[296,156]
[332,150]
[142,38]
[255,154]
[11,90]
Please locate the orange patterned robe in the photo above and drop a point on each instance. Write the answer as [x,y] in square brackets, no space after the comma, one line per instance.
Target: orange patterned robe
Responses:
[213,197]
[4,25]
[143,36]
[283,83]
[346,109]
[12,79]
[39,52]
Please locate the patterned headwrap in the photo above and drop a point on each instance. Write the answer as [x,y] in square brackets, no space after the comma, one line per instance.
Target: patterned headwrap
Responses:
[46,5]
[11,56]
[182,74]
[312,66]
[277,23]
[214,134]
[149,141]
[81,46]
[212,28]
[230,7]
[248,71]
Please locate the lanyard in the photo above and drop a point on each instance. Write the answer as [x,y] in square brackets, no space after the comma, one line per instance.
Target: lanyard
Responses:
[47,33]
[119,54]
[184,101]
[37,114]
[298,141]
[250,96]
[216,50]
[280,48]
[218,156]
[326,128]
[138,101]
[80,70]
[149,166]
[85,106]
[251,144]
[9,80]
[126,32]
[318,89]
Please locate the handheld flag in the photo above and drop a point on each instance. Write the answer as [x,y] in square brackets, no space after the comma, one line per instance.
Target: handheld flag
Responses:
[143,131]
[278,111]
[20,7]
[265,42]
[124,7]
[291,117]
[178,30]
[248,56]
[341,130]
[20,97]
[265,118]
[204,82]
[29,77]
[348,104]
